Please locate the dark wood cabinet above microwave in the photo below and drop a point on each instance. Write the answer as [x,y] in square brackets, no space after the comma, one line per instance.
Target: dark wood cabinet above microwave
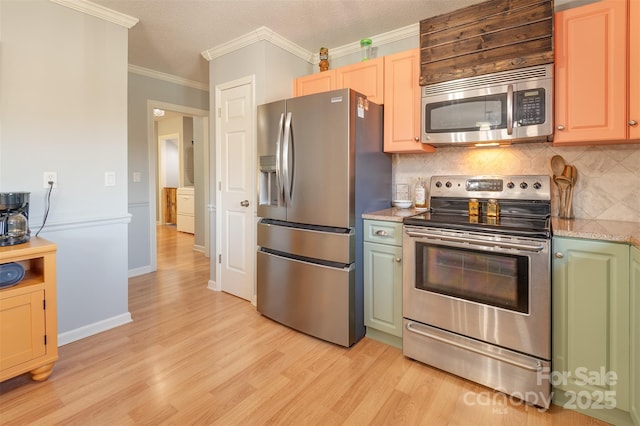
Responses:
[488,37]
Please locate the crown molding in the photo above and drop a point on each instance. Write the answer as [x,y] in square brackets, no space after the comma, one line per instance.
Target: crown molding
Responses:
[260,34]
[409,31]
[168,77]
[264,33]
[98,11]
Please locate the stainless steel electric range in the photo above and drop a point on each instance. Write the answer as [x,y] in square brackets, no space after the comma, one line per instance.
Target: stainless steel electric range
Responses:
[477,282]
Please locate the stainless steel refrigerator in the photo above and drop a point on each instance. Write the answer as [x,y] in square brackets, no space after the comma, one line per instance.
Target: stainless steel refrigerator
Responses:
[321,165]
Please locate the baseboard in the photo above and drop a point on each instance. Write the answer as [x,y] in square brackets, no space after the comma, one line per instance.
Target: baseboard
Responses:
[91,329]
[199,248]
[383,337]
[213,286]
[614,416]
[139,271]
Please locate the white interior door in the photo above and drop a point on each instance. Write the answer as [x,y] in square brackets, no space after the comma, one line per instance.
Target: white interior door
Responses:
[236,187]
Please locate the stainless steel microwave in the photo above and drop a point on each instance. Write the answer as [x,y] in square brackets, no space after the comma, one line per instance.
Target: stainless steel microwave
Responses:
[505,107]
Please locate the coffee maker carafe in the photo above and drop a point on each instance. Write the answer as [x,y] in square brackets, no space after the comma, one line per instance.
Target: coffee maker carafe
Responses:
[14,218]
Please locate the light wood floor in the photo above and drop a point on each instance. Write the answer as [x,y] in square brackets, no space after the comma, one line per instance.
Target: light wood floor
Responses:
[194,356]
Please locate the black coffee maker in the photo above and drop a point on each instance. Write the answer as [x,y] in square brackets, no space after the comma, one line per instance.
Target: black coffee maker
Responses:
[14,218]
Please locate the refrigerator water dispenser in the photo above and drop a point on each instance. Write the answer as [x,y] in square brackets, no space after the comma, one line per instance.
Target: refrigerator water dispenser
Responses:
[268,181]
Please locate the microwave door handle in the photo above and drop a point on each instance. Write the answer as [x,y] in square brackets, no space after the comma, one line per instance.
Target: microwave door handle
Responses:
[286,152]
[279,176]
[510,109]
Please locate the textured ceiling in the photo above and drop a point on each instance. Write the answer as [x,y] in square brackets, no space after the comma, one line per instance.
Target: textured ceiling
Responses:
[171,34]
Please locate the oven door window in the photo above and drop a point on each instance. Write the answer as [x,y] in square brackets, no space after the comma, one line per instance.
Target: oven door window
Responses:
[496,279]
[467,115]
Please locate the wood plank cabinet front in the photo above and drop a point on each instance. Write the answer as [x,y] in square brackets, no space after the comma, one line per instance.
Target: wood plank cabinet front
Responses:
[402,109]
[597,53]
[28,316]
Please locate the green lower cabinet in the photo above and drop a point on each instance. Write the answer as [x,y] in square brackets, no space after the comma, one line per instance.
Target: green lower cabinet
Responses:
[634,395]
[591,336]
[383,281]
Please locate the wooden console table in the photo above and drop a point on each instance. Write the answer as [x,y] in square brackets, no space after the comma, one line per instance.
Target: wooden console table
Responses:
[28,316]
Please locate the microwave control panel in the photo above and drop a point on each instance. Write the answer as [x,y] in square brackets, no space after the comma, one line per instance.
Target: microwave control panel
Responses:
[529,107]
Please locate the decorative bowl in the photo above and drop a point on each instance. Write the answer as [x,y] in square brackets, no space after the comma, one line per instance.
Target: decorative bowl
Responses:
[402,204]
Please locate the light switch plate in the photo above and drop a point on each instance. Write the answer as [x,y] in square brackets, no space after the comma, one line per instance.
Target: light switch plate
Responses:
[109,178]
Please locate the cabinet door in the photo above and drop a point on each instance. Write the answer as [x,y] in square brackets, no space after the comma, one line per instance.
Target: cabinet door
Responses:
[365,77]
[315,83]
[591,322]
[591,73]
[383,287]
[634,71]
[402,103]
[22,329]
[169,207]
[634,394]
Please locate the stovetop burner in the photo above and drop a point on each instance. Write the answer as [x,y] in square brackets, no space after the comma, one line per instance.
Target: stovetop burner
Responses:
[525,204]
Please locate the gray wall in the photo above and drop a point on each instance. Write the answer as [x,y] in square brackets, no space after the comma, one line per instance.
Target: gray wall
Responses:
[63,109]
[274,70]
[141,89]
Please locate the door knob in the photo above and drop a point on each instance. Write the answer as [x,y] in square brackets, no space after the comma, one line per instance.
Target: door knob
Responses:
[560,127]
[632,122]
[244,203]
[559,255]
[398,260]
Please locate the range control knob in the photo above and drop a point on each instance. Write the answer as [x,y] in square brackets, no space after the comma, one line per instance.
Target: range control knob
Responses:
[448,184]
[537,185]
[438,184]
[524,185]
[511,185]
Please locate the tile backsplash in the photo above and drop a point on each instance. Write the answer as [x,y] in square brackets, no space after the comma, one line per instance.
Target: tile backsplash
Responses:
[608,185]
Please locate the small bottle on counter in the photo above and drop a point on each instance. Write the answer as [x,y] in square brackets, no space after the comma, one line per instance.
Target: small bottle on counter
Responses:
[420,194]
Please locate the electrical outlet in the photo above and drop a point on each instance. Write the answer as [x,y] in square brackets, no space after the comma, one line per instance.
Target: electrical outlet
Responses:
[50,177]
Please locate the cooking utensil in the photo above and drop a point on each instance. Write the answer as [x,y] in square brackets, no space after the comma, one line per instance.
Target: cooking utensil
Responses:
[557,165]
[574,178]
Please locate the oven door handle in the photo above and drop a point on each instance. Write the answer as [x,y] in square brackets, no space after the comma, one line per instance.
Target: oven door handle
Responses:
[536,367]
[471,240]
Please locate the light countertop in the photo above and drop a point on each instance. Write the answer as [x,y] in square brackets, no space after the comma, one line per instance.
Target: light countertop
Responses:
[392,214]
[592,229]
[605,230]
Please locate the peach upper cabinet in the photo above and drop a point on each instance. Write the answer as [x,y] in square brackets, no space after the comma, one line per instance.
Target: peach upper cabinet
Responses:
[597,60]
[315,83]
[402,103]
[365,77]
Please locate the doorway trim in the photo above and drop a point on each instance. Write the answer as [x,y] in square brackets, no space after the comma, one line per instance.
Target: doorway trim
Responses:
[152,147]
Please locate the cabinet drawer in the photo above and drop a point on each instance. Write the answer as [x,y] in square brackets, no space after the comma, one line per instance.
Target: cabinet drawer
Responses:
[376,231]
[185,204]
[185,223]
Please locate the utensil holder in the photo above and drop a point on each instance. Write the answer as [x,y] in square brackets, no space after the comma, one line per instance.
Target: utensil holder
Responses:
[566,202]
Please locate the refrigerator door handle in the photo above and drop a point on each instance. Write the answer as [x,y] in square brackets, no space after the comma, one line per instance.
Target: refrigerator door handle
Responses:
[279,176]
[286,152]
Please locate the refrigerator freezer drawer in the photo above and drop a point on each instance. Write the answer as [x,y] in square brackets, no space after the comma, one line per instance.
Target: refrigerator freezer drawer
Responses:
[314,299]
[312,243]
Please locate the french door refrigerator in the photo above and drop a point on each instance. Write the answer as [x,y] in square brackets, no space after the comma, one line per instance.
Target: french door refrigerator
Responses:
[321,165]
